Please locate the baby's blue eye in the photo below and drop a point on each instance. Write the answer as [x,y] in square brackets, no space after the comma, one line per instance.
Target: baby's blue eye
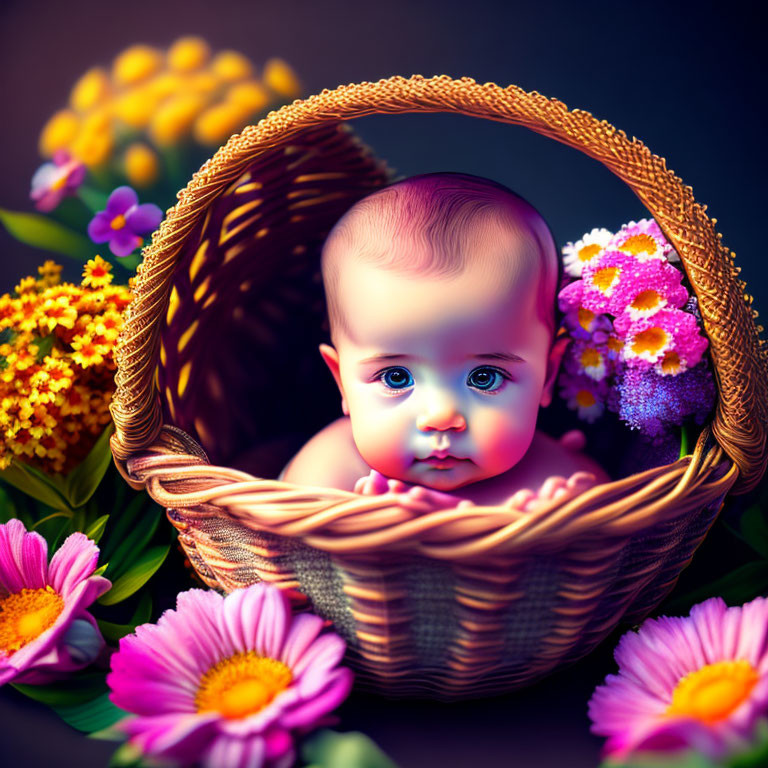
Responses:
[397,378]
[487,379]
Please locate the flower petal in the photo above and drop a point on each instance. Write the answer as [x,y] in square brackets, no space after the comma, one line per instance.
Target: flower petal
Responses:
[180,737]
[99,229]
[72,563]
[120,201]
[123,242]
[144,219]
[334,692]
[304,629]
[235,753]
[23,558]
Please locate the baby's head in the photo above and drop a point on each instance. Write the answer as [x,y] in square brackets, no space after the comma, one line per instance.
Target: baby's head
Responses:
[441,294]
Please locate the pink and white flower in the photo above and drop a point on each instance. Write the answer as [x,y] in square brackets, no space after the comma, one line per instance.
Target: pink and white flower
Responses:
[668,341]
[45,629]
[697,682]
[644,240]
[228,680]
[54,181]
[576,255]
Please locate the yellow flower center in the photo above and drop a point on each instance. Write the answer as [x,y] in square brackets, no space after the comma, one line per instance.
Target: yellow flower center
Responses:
[585,398]
[590,357]
[242,684]
[638,244]
[586,317]
[651,340]
[711,693]
[118,222]
[588,251]
[26,615]
[615,344]
[604,278]
[58,183]
[646,300]
[670,362]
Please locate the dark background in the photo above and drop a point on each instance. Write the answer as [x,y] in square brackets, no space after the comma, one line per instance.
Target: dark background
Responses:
[686,78]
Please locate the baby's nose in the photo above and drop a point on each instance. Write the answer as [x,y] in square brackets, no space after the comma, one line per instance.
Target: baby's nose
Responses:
[441,417]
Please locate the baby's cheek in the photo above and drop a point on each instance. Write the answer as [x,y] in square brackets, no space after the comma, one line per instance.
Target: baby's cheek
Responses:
[504,439]
[379,443]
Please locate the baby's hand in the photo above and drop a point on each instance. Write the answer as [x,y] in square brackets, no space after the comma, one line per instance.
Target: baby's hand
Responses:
[553,489]
[375,483]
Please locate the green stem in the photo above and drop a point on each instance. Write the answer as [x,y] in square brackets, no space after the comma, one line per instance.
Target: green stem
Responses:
[683,442]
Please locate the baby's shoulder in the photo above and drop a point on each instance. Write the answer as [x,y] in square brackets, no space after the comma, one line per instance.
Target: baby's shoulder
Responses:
[555,458]
[329,459]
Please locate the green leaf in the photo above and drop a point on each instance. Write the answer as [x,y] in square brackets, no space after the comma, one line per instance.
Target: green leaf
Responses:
[38,485]
[92,716]
[134,544]
[96,529]
[81,483]
[45,233]
[123,520]
[736,587]
[329,749]
[142,614]
[126,756]
[136,576]
[94,199]
[754,529]
[76,690]
[683,442]
[101,570]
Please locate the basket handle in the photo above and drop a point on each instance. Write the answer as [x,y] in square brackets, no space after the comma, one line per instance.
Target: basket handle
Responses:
[740,357]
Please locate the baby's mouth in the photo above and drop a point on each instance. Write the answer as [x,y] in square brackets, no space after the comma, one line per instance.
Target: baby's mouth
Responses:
[441,460]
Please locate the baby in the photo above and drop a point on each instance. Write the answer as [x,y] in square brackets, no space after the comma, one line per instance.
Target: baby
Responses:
[441,294]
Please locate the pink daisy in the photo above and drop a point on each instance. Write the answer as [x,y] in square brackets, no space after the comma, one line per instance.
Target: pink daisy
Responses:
[617,282]
[669,341]
[228,680]
[644,240]
[576,255]
[697,682]
[44,628]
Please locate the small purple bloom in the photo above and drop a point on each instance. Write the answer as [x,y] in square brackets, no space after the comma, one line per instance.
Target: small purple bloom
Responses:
[54,181]
[654,404]
[45,630]
[124,223]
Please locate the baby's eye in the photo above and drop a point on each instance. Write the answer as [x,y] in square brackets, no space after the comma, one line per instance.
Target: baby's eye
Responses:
[486,379]
[396,378]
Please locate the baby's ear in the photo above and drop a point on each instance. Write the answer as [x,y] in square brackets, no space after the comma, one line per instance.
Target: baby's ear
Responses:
[331,358]
[553,368]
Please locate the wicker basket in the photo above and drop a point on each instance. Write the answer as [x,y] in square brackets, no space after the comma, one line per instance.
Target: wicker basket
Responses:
[448,603]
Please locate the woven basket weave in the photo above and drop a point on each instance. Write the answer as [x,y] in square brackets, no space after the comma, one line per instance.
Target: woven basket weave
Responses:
[447,603]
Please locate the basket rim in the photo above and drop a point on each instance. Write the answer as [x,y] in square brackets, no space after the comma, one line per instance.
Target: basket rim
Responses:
[740,357]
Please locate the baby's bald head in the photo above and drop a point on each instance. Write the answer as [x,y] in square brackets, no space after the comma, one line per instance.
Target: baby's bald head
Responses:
[438,225]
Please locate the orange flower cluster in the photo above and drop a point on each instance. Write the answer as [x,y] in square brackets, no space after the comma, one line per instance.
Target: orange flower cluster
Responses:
[56,364]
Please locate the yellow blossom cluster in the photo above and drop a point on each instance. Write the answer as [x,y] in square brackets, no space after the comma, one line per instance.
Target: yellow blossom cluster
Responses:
[56,364]
[160,98]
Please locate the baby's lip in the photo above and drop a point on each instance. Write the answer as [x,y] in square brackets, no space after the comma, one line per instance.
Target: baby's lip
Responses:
[438,455]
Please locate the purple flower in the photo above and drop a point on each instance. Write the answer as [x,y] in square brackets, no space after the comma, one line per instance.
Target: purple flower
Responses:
[583,394]
[697,682]
[44,627]
[654,403]
[124,223]
[54,181]
[228,680]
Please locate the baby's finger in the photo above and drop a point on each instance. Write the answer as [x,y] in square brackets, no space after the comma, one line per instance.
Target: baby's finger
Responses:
[582,480]
[397,486]
[521,498]
[550,486]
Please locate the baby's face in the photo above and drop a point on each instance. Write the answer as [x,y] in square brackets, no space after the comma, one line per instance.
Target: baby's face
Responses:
[442,377]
